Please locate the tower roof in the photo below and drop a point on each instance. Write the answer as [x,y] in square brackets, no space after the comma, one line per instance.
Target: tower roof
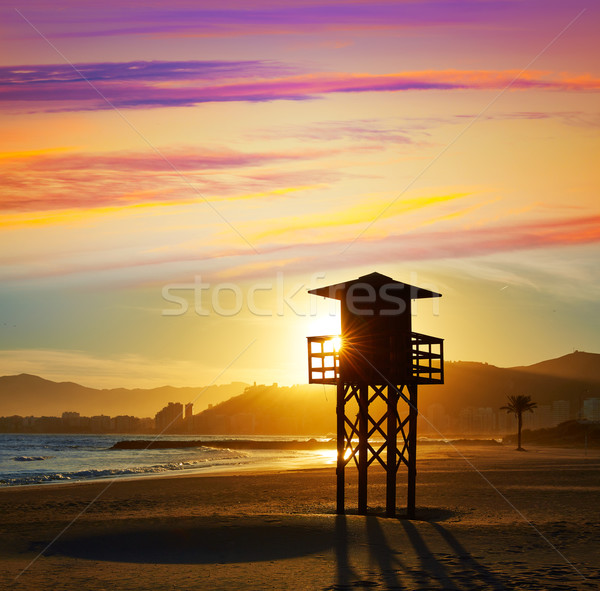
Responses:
[377,281]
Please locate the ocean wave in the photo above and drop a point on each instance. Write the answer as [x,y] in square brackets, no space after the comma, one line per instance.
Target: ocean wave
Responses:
[92,474]
[31,458]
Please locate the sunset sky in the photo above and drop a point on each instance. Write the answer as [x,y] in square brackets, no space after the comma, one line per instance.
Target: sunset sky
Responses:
[224,157]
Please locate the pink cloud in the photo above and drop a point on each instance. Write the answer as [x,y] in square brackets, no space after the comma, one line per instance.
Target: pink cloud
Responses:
[80,181]
[420,245]
[234,18]
[317,255]
[113,86]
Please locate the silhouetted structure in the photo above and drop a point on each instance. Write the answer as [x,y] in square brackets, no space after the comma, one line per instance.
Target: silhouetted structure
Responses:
[377,358]
[170,418]
[517,405]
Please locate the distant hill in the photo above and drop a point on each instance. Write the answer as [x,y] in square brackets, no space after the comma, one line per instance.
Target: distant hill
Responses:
[572,377]
[306,409]
[272,410]
[26,394]
[311,409]
[579,366]
[568,434]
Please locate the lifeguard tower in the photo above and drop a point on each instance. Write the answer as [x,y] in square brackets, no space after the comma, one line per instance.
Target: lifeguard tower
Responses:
[377,358]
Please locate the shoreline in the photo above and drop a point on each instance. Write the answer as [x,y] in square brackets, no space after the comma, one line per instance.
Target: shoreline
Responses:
[255,468]
[314,461]
[106,459]
[247,442]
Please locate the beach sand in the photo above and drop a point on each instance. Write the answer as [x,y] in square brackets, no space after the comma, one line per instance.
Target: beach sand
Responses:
[487,518]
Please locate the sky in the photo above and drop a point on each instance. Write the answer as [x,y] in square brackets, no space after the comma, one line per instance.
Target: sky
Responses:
[175,177]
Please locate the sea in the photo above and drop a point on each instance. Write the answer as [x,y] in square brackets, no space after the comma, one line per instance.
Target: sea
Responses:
[35,459]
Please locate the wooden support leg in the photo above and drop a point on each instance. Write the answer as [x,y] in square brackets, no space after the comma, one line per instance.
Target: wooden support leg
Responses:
[363,432]
[412,451]
[392,432]
[341,447]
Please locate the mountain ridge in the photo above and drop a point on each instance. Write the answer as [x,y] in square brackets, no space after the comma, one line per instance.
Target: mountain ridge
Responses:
[27,394]
[310,409]
[467,383]
[577,365]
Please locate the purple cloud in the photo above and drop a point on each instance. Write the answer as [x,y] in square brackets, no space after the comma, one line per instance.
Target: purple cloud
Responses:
[146,71]
[144,84]
[239,18]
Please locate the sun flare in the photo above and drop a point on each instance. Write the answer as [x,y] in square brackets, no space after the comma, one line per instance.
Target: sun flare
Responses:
[325,325]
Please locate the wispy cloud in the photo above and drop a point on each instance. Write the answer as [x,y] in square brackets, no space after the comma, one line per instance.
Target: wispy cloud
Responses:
[183,158]
[350,215]
[316,249]
[432,245]
[234,18]
[371,131]
[142,70]
[47,180]
[169,84]
[574,118]
[497,238]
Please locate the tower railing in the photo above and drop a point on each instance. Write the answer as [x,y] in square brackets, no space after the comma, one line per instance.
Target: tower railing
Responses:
[427,359]
[324,359]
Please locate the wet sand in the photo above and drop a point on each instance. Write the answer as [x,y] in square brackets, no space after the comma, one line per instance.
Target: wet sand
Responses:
[487,518]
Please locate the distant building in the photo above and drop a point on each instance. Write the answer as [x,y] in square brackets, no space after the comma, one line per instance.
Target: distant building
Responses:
[465,419]
[71,420]
[124,424]
[12,424]
[48,425]
[477,420]
[505,424]
[543,416]
[145,425]
[170,418]
[591,409]
[436,420]
[100,424]
[561,411]
[484,418]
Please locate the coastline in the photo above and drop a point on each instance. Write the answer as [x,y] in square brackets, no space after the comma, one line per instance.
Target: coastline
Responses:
[45,459]
[42,459]
[282,465]
[492,519]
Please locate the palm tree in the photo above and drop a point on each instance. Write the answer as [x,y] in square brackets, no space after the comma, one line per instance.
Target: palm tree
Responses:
[517,405]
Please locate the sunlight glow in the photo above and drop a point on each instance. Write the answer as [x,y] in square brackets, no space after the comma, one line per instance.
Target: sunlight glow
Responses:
[330,455]
[324,325]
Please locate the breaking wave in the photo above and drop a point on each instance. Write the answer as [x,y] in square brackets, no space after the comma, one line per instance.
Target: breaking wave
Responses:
[78,475]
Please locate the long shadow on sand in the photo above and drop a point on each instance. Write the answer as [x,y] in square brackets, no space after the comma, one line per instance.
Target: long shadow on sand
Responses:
[368,551]
[458,569]
[203,542]
[399,568]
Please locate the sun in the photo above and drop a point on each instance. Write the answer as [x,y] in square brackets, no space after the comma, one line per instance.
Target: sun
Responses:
[325,325]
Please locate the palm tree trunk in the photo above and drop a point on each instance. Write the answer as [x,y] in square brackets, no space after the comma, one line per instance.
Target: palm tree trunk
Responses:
[519,427]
